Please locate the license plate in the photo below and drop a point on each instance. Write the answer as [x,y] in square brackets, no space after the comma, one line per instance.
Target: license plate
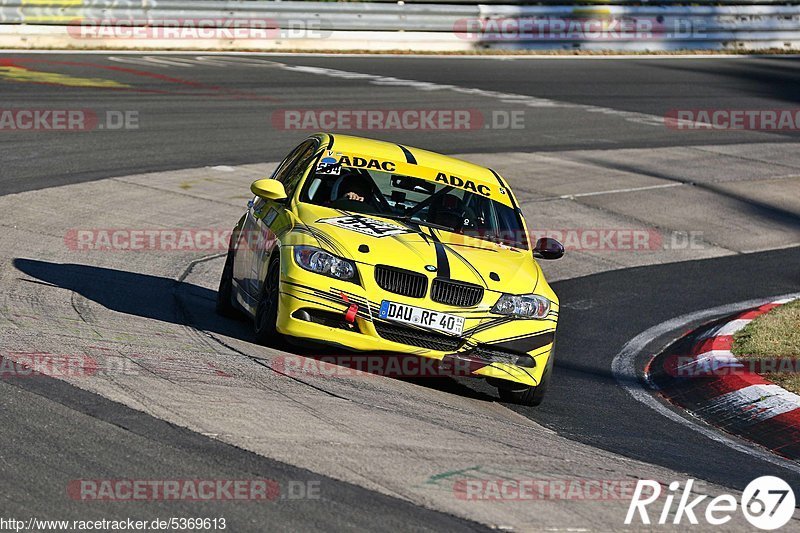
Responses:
[408,314]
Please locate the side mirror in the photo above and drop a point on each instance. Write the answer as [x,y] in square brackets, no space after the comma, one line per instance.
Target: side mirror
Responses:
[547,248]
[269,189]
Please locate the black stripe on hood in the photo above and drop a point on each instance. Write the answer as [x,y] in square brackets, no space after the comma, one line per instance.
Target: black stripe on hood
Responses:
[442,262]
[410,159]
[467,263]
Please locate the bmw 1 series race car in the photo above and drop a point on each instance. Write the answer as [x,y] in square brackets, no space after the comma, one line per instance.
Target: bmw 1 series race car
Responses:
[378,247]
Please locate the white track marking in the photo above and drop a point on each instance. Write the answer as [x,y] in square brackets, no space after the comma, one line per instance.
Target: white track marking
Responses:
[189,62]
[616,191]
[756,402]
[715,354]
[570,56]
[507,98]
[226,61]
[517,99]
[707,362]
[181,62]
[624,369]
[600,193]
[729,328]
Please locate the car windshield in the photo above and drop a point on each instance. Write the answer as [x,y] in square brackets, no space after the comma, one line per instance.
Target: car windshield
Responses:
[416,201]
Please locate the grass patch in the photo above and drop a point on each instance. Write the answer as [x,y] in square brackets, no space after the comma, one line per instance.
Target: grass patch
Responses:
[773,334]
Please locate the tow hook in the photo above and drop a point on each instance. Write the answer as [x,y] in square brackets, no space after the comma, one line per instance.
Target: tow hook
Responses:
[351,313]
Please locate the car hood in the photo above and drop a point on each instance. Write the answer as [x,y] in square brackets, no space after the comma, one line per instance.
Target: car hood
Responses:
[417,248]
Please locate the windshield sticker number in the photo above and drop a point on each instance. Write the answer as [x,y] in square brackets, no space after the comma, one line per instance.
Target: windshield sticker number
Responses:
[328,166]
[366,225]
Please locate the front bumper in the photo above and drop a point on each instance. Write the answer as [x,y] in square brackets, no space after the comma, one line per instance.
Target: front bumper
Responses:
[314,308]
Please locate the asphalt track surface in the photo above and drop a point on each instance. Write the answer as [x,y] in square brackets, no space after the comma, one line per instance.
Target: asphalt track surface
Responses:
[228,109]
[54,432]
[49,425]
[611,308]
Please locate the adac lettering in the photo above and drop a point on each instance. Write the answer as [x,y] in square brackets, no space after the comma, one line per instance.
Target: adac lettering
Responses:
[360,162]
[461,183]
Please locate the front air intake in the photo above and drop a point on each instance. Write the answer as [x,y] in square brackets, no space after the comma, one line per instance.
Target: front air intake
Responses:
[400,281]
[456,293]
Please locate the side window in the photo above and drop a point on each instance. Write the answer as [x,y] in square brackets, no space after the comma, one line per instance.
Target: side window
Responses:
[287,166]
[284,169]
[295,174]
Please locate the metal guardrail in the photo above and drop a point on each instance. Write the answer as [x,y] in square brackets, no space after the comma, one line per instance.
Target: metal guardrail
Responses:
[342,16]
[480,25]
[578,2]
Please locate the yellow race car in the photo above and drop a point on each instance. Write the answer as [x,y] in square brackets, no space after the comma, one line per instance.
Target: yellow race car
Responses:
[378,247]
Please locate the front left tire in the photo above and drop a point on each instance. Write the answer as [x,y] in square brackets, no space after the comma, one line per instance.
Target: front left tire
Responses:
[225,292]
[266,319]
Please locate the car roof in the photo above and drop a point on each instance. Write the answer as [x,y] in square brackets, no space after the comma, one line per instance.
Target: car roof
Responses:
[408,154]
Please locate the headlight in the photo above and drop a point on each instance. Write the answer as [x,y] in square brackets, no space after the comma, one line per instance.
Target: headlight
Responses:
[524,305]
[322,262]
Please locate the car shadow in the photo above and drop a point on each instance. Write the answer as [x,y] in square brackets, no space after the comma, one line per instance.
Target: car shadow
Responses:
[183,303]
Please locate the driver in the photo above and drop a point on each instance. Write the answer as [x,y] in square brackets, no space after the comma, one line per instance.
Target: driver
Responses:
[349,188]
[353,189]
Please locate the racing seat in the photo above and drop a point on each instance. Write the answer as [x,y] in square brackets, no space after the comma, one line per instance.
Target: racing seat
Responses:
[450,211]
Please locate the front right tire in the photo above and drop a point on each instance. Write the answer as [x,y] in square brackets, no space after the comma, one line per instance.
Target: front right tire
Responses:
[530,396]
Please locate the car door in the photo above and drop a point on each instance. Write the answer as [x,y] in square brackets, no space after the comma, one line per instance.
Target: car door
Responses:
[266,219]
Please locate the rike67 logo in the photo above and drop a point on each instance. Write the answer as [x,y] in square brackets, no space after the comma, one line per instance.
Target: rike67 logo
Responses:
[767,503]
